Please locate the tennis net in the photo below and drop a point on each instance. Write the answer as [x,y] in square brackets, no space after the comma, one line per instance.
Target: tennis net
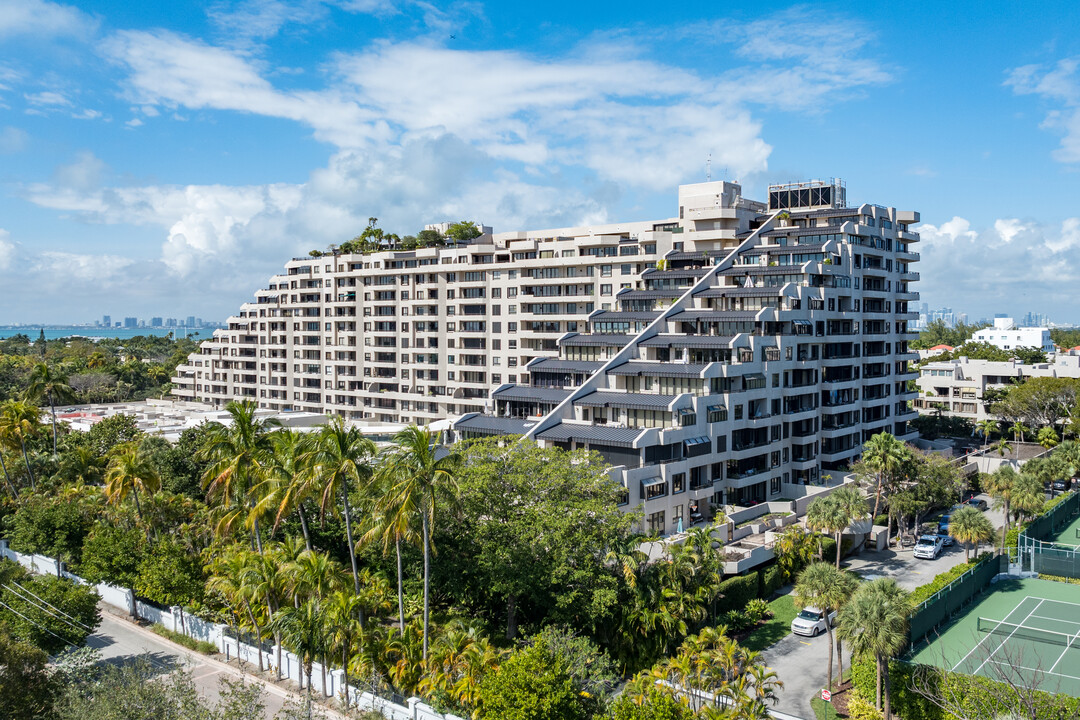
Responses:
[1025,632]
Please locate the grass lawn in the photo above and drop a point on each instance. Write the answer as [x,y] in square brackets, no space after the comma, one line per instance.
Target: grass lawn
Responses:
[822,709]
[774,630]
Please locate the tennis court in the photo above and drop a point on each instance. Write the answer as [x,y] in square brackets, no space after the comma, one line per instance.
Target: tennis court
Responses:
[1070,534]
[1023,630]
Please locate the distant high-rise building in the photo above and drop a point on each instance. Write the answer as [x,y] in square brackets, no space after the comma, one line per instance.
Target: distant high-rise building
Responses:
[190,321]
[106,321]
[156,322]
[170,322]
[198,322]
[130,322]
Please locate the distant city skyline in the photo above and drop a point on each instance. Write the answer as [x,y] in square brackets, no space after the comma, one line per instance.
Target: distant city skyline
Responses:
[155,159]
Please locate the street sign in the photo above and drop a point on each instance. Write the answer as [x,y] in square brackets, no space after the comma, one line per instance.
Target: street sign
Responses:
[826,695]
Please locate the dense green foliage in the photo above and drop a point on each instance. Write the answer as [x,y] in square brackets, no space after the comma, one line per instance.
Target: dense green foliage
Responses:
[27,689]
[45,611]
[533,684]
[938,333]
[106,370]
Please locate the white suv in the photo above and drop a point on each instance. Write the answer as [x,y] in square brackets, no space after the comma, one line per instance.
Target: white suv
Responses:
[929,547]
[811,621]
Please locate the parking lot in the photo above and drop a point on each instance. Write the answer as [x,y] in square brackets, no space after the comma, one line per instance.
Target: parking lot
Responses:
[801,661]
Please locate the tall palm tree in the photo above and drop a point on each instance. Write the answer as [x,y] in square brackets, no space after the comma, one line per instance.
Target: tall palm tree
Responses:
[386,526]
[19,422]
[342,610]
[851,508]
[970,527]
[314,575]
[130,471]
[824,515]
[237,454]
[266,579]
[822,586]
[423,472]
[50,385]
[285,483]
[1029,497]
[304,630]
[875,622]
[1018,429]
[1001,485]
[82,465]
[883,454]
[986,428]
[342,461]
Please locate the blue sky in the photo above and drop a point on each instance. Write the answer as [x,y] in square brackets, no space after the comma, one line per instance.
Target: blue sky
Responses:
[166,158]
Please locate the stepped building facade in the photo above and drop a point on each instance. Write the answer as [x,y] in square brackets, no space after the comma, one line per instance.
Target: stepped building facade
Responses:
[723,355]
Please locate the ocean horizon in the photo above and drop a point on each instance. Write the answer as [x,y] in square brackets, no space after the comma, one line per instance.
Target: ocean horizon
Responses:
[54,332]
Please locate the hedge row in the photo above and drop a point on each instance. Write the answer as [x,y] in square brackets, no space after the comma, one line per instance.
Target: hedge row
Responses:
[977,698]
[921,593]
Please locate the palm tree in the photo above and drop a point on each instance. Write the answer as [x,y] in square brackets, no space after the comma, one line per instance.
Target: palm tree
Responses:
[824,515]
[423,472]
[969,526]
[986,428]
[1002,446]
[304,630]
[314,575]
[794,548]
[82,465]
[285,482]
[265,577]
[20,421]
[52,386]
[1001,485]
[342,461]
[1018,429]
[1028,496]
[342,609]
[237,454]
[874,622]
[386,526]
[131,470]
[1047,437]
[822,586]
[851,508]
[883,453]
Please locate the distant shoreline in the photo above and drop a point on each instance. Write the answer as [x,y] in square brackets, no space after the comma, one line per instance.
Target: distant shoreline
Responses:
[54,332]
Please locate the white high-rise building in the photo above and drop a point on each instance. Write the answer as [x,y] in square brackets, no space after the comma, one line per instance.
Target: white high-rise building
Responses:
[722,355]
[1005,335]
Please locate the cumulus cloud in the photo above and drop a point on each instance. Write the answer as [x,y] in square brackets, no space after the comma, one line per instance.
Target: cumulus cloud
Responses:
[41,19]
[1059,86]
[1049,256]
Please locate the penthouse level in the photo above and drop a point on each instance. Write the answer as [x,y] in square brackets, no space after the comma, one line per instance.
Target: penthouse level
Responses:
[741,375]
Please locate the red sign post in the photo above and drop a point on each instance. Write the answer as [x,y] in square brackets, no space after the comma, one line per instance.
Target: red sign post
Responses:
[826,695]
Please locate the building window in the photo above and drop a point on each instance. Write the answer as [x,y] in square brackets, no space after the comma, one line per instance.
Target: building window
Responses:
[717,413]
[678,483]
[656,523]
[774,486]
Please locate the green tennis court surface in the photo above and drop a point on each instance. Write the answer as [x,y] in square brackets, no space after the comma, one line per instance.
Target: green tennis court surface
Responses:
[1022,631]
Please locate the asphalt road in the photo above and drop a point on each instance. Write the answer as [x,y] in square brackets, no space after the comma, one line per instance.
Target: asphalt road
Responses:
[801,662]
[121,641]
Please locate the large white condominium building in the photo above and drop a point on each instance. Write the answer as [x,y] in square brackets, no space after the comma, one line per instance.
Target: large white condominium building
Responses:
[724,355]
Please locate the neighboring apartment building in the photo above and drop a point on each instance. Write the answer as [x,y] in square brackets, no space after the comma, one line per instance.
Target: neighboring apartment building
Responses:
[1005,335]
[769,344]
[737,374]
[957,387]
[427,334]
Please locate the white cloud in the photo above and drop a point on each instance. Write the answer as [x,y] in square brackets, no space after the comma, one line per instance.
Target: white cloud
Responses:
[48,98]
[7,250]
[243,23]
[83,173]
[12,140]
[40,19]
[77,267]
[1013,261]
[1060,86]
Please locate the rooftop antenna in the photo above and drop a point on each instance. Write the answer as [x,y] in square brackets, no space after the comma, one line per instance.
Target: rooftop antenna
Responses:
[708,168]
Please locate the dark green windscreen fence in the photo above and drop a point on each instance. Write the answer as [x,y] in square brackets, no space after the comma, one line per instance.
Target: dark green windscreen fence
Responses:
[1040,548]
[942,605]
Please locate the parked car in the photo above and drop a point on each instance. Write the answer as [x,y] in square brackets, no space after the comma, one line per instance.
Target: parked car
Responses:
[1062,485]
[943,524]
[928,547]
[947,540]
[977,503]
[811,622]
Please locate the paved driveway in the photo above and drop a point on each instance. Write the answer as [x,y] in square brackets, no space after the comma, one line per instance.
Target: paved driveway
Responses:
[802,662]
[121,641]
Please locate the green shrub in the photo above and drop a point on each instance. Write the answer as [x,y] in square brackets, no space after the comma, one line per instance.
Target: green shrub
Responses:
[859,708]
[737,621]
[758,610]
[180,639]
[922,592]
[737,591]
[772,579]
